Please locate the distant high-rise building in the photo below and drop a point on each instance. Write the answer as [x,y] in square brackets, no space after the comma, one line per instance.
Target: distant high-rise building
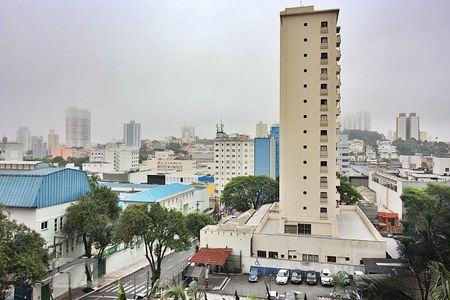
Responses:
[413,127]
[188,134]
[408,127]
[262,130]
[132,134]
[401,126]
[358,121]
[23,136]
[423,136]
[38,147]
[275,133]
[264,158]
[53,140]
[78,127]
[234,157]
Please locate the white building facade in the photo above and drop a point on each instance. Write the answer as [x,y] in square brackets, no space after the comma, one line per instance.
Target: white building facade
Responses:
[132,135]
[78,127]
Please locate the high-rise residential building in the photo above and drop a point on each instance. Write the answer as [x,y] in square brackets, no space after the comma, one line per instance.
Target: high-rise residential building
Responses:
[262,130]
[275,133]
[233,157]
[310,97]
[401,126]
[23,136]
[38,147]
[343,159]
[53,140]
[408,127]
[413,126]
[78,127]
[359,121]
[188,134]
[132,134]
[309,224]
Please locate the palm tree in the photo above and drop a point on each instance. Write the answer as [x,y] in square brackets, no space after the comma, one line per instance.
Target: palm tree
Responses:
[440,289]
[176,291]
[121,292]
[193,291]
[340,285]
[383,287]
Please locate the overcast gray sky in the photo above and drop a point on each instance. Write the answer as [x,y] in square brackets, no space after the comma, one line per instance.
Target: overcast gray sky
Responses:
[170,63]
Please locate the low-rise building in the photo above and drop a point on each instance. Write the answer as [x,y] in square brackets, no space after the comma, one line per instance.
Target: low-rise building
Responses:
[412,162]
[22,165]
[386,150]
[165,161]
[11,151]
[441,166]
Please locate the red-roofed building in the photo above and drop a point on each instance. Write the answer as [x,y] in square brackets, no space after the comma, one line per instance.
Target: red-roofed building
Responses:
[211,256]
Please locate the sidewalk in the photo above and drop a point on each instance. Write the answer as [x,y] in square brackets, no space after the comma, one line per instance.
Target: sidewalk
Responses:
[106,280]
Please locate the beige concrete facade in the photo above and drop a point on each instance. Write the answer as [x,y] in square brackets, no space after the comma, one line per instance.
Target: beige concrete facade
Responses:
[309,101]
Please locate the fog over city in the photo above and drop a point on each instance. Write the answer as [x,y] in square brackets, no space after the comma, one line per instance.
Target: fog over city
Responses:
[171,63]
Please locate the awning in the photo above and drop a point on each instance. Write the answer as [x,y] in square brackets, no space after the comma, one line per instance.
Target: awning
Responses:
[195,271]
[211,256]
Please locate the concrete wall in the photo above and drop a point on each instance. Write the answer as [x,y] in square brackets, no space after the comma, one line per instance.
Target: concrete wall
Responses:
[226,239]
[441,166]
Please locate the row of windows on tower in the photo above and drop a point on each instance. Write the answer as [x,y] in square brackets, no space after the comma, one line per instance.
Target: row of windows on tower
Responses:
[323,24]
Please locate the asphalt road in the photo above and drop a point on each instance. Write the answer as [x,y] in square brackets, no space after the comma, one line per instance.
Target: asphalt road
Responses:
[136,283]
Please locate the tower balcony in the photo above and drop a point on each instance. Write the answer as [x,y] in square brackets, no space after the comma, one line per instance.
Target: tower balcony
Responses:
[323,123]
[323,76]
[338,111]
[323,216]
[323,154]
[338,54]
[323,92]
[338,40]
[323,107]
[324,61]
[338,69]
[323,45]
[323,169]
[324,29]
[324,139]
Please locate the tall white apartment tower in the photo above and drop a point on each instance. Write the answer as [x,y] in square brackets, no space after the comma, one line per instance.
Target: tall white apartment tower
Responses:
[132,135]
[233,156]
[309,106]
[78,127]
[401,126]
[23,136]
[413,126]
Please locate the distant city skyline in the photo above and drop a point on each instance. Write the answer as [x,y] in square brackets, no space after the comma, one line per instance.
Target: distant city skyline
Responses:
[223,63]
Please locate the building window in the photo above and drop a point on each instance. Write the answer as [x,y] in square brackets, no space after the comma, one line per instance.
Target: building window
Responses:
[290,229]
[305,39]
[305,70]
[304,177]
[310,257]
[305,101]
[304,208]
[61,223]
[323,102]
[44,225]
[305,146]
[305,24]
[304,228]
[305,55]
[324,40]
[305,131]
[305,86]
[305,116]
[323,163]
[324,55]
[305,162]
[56,224]
[323,86]
[331,259]
[261,253]
[304,192]
[324,24]
[323,118]
[323,133]
[273,254]
[323,210]
[347,259]
[324,71]
[323,148]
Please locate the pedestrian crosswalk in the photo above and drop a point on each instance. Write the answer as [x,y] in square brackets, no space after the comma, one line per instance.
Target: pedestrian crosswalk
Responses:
[129,288]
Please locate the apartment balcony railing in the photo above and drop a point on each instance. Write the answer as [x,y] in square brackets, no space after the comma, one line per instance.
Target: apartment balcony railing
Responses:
[338,40]
[323,169]
[323,123]
[324,139]
[338,82]
[323,107]
[323,92]
[338,95]
[323,76]
[323,200]
[338,111]
[338,29]
[323,216]
[323,184]
[338,54]
[323,45]
[338,125]
[338,69]
[324,61]
[323,154]
[323,29]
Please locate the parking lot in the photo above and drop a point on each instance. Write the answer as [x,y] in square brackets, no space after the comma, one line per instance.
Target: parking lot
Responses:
[240,284]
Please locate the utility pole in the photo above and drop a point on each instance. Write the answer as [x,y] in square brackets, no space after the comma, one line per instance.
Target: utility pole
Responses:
[148,280]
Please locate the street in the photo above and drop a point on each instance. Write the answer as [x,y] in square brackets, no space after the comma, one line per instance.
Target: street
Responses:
[136,283]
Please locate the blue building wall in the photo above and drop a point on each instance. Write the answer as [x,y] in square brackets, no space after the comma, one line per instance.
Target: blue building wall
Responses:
[275,133]
[262,156]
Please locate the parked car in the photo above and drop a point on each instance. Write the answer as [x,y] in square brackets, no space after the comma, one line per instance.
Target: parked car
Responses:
[325,278]
[282,276]
[311,277]
[253,276]
[273,295]
[296,276]
[347,278]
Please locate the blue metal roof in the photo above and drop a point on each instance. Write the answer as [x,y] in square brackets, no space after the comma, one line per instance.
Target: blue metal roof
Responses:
[158,193]
[206,179]
[41,188]
[127,185]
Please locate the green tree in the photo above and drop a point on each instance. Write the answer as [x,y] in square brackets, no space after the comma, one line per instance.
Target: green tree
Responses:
[440,289]
[121,295]
[426,231]
[385,287]
[245,192]
[153,293]
[143,154]
[78,161]
[369,137]
[23,257]
[193,291]
[93,218]
[175,291]
[58,160]
[157,228]
[196,221]
[349,195]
